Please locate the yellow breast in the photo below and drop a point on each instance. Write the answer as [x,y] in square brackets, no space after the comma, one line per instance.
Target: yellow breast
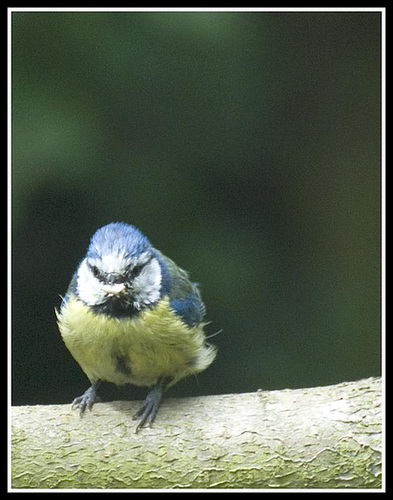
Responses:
[154,344]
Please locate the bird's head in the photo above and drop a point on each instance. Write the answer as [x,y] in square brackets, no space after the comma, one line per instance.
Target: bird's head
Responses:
[120,274]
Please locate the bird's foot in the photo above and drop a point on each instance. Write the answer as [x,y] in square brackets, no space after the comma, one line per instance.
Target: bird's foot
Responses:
[149,409]
[87,399]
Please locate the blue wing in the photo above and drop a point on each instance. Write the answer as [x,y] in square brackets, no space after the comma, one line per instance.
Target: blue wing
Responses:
[184,295]
[191,309]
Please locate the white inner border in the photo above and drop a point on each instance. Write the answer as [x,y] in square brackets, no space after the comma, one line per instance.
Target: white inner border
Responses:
[382,10]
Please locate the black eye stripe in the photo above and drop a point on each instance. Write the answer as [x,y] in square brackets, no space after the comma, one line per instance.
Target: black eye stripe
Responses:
[131,273]
[95,271]
[135,271]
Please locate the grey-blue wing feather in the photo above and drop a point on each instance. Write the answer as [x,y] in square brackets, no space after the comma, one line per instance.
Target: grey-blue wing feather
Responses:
[191,309]
[184,295]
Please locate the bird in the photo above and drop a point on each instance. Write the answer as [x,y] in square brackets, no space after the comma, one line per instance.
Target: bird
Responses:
[132,316]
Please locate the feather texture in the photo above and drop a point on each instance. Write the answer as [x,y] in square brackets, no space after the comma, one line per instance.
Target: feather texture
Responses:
[155,344]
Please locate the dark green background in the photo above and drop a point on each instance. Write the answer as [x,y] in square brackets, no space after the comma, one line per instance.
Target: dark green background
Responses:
[246,146]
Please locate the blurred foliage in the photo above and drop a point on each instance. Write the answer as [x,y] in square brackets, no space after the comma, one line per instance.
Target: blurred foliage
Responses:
[245,145]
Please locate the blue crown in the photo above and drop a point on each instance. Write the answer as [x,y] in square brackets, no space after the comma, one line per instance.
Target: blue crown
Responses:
[118,237]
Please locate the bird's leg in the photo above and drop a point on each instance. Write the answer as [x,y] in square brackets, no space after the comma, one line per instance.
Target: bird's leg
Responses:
[88,398]
[149,409]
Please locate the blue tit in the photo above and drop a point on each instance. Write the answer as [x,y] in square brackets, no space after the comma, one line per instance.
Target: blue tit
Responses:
[132,316]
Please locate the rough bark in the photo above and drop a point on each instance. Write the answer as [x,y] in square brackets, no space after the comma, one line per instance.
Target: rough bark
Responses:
[323,437]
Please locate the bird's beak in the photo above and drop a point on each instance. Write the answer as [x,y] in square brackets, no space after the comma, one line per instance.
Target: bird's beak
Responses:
[115,289]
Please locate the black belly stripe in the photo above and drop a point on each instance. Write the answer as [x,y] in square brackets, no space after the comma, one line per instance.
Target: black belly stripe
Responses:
[122,365]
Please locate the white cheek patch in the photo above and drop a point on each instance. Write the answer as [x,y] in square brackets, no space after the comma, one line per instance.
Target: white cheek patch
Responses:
[145,288]
[88,287]
[147,285]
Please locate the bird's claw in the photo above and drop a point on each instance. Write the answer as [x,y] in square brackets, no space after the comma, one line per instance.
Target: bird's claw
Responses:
[87,400]
[148,411]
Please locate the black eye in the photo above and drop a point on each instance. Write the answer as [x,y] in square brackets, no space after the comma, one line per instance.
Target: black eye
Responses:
[95,271]
[134,272]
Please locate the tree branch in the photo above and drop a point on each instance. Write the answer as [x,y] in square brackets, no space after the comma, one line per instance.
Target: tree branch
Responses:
[323,437]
